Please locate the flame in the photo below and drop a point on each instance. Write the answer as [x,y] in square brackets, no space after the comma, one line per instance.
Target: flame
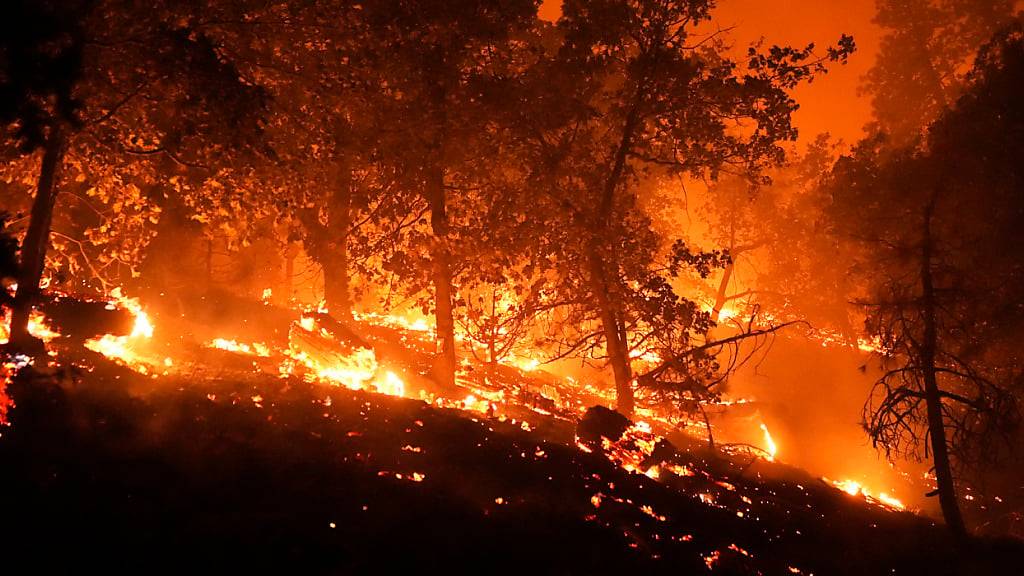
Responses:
[727,313]
[854,488]
[38,326]
[525,364]
[851,487]
[125,350]
[352,370]
[392,385]
[420,324]
[142,328]
[769,443]
[254,349]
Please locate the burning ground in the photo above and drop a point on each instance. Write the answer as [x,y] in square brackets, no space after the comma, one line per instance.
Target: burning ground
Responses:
[311,453]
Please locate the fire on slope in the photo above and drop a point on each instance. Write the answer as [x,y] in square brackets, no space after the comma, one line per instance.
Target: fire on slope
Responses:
[319,354]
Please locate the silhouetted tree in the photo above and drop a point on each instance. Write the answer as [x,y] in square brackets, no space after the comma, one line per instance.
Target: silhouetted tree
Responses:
[442,68]
[939,224]
[923,59]
[41,54]
[138,88]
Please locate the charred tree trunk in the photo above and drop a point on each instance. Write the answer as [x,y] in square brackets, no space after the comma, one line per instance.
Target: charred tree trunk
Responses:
[435,194]
[335,255]
[611,326]
[933,398]
[37,238]
[442,277]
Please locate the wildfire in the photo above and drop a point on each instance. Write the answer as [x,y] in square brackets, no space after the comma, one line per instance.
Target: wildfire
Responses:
[357,369]
[769,443]
[254,349]
[854,488]
[38,326]
[391,385]
[125,350]
[395,321]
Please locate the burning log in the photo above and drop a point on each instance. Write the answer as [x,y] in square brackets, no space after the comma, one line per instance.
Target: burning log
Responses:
[347,360]
[339,330]
[79,319]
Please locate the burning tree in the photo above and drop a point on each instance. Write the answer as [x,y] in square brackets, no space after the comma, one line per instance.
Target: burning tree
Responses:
[442,69]
[640,92]
[100,108]
[936,222]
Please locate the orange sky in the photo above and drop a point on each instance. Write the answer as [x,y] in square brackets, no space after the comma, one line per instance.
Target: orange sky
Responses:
[830,103]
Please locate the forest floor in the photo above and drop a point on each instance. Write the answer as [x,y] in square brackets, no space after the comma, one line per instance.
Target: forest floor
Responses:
[104,468]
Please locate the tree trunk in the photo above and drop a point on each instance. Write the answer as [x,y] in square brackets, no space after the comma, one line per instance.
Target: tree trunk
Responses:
[616,340]
[335,256]
[933,399]
[442,277]
[435,195]
[611,325]
[37,239]
[721,298]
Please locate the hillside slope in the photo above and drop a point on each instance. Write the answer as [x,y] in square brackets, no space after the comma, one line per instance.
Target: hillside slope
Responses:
[108,469]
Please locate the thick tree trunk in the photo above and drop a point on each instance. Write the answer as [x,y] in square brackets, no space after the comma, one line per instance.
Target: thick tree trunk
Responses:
[933,399]
[436,197]
[37,239]
[442,277]
[335,255]
[615,342]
